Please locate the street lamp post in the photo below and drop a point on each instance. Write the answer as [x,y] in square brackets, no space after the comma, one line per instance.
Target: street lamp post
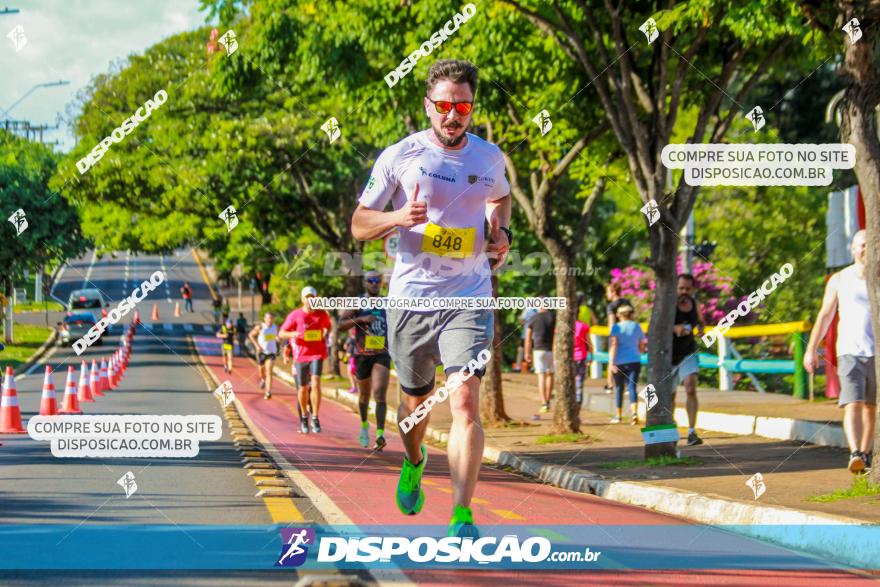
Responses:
[28,93]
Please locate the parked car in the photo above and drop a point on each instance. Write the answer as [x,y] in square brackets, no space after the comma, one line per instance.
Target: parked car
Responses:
[85,299]
[75,325]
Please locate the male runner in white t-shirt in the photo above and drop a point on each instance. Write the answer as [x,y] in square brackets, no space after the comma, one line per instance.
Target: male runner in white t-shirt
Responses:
[444,185]
[847,294]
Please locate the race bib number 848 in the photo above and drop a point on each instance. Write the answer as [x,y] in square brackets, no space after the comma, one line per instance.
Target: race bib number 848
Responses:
[449,242]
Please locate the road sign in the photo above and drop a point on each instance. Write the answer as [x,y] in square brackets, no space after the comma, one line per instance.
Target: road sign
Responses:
[391,242]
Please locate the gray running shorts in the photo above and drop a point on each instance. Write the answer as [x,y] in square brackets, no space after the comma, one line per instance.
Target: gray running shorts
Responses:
[419,341]
[858,380]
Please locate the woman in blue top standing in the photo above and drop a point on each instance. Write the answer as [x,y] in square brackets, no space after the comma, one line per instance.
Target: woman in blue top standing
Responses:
[627,343]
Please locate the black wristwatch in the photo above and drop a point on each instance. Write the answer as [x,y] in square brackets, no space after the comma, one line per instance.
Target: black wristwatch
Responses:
[508,233]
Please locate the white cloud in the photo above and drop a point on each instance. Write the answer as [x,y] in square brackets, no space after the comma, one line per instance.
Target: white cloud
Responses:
[75,40]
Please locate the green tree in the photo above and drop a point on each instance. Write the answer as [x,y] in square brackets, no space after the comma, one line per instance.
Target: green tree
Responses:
[52,232]
[642,90]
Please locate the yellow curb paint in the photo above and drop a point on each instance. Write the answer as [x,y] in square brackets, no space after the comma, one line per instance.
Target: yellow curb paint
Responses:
[282,510]
[507,514]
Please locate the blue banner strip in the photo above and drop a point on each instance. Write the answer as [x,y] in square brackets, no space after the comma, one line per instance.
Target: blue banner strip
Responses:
[656,547]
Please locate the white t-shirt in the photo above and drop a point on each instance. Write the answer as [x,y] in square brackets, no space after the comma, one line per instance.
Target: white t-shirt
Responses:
[854,333]
[267,339]
[443,257]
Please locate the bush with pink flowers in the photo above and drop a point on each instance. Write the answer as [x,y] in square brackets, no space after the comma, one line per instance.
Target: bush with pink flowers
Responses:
[713,291]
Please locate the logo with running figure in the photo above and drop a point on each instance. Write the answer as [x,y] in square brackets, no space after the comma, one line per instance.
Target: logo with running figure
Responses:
[295,547]
[649,27]
[854,30]
[756,116]
[543,121]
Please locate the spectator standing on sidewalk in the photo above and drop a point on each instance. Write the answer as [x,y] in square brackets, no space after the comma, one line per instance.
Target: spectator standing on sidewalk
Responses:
[847,294]
[217,306]
[626,344]
[241,326]
[612,294]
[583,348]
[539,352]
[187,295]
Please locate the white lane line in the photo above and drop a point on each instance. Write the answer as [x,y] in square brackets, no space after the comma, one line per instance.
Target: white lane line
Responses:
[88,276]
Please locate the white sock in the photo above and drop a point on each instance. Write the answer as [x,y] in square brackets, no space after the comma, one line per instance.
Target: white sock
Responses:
[691,431]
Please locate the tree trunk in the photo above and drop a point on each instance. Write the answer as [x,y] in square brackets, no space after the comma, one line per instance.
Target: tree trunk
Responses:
[566,411]
[859,128]
[491,396]
[660,340]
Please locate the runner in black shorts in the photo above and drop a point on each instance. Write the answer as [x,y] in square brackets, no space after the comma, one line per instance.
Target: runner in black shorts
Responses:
[371,359]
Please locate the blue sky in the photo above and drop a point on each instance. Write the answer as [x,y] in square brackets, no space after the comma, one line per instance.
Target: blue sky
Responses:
[74,40]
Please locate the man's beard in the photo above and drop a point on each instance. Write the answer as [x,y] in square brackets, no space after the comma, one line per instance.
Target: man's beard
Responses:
[449,142]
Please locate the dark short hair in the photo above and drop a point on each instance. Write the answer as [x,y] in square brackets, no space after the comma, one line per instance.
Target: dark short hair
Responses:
[455,70]
[687,276]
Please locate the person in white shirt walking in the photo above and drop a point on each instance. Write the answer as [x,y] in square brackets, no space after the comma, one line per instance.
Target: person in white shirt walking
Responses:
[847,294]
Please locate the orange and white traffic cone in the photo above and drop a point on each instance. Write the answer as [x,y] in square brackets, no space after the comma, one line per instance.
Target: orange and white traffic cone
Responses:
[111,373]
[71,400]
[95,380]
[155,312]
[10,413]
[48,403]
[137,318]
[84,392]
[102,378]
[177,310]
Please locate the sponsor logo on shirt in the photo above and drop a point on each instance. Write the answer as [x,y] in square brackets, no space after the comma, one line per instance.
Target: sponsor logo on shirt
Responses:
[484,179]
[372,183]
[426,173]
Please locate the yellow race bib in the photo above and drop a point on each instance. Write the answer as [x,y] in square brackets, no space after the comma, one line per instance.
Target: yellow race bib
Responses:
[374,343]
[449,242]
[312,335]
[268,337]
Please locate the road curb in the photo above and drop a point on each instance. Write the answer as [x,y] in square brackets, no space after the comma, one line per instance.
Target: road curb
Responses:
[38,354]
[815,432]
[783,526]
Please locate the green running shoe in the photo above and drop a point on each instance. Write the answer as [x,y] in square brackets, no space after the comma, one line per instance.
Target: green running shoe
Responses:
[410,497]
[462,523]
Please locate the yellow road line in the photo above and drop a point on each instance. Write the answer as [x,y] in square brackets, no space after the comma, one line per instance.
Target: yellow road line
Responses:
[507,514]
[204,273]
[479,500]
[444,489]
